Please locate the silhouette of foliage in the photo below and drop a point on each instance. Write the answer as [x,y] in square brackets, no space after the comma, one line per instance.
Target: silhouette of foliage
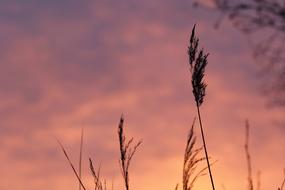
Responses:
[264,22]
[253,15]
[197,65]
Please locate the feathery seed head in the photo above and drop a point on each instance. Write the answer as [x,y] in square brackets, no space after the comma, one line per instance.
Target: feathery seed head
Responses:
[192,48]
[198,69]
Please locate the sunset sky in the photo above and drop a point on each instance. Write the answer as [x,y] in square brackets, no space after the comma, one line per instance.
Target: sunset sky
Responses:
[70,64]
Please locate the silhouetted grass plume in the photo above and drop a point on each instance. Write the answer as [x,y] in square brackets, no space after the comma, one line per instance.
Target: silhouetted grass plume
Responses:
[198,62]
[191,161]
[191,169]
[126,151]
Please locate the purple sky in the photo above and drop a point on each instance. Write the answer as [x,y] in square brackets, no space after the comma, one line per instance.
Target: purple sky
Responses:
[72,64]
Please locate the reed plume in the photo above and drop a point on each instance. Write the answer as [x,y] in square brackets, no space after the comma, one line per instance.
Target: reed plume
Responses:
[197,65]
[192,49]
[126,152]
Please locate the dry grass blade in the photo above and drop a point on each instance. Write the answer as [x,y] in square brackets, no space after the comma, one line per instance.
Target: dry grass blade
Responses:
[176,187]
[126,152]
[248,158]
[96,176]
[71,165]
[80,157]
[191,161]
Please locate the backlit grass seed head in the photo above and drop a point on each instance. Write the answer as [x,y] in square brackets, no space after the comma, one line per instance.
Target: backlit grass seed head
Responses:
[127,152]
[193,47]
[198,69]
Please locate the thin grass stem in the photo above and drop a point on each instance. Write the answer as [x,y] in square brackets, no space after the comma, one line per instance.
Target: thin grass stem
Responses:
[80,158]
[205,148]
[248,158]
[71,165]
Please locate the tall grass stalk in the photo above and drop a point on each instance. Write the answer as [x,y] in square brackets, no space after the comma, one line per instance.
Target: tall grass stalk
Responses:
[71,165]
[96,175]
[197,63]
[80,158]
[126,152]
[248,158]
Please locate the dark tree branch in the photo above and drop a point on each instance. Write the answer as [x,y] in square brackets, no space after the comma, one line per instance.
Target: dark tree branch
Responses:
[264,22]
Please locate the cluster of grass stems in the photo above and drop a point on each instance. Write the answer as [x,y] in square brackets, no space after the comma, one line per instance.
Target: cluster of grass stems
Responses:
[197,64]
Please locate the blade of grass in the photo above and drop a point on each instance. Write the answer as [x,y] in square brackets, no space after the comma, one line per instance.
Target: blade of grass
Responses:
[71,165]
[176,187]
[96,176]
[205,148]
[80,157]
